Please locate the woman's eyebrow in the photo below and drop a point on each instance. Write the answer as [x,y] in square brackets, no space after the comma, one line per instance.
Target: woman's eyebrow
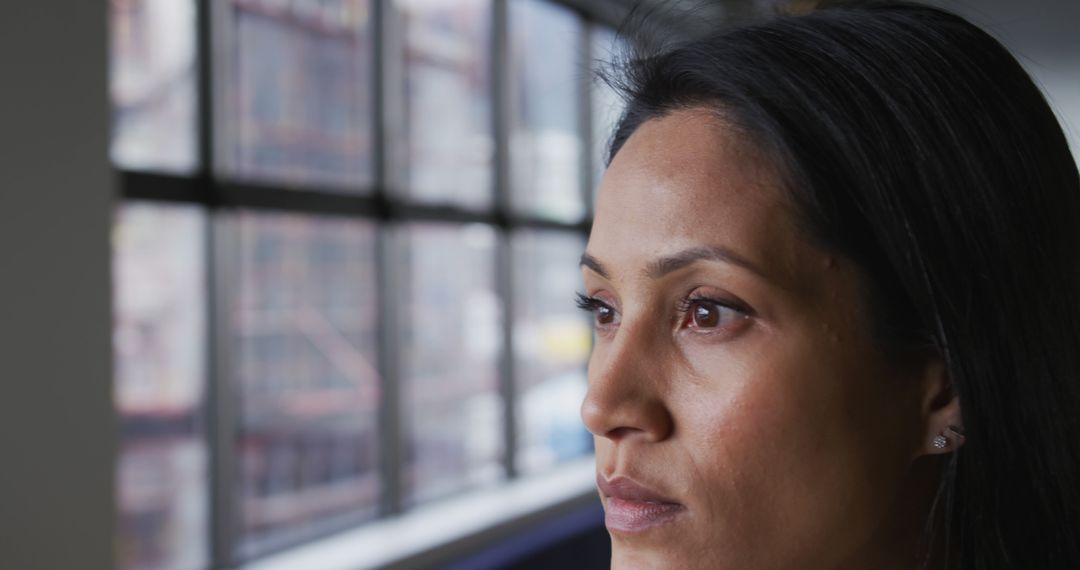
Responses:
[664,265]
[669,263]
[594,264]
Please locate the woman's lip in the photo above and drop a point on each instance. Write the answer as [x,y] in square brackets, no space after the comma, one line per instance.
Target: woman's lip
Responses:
[626,488]
[631,507]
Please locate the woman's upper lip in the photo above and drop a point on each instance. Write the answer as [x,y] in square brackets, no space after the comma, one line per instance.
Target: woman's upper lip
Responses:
[630,490]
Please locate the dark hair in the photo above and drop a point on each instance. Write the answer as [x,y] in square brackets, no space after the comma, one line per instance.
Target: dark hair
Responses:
[916,146]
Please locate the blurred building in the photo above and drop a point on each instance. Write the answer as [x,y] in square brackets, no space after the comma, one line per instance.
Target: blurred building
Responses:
[344,263]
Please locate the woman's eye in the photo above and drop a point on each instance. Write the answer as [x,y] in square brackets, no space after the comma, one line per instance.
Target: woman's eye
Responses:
[705,314]
[603,314]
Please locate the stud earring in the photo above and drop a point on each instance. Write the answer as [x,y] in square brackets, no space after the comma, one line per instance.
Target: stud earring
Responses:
[952,434]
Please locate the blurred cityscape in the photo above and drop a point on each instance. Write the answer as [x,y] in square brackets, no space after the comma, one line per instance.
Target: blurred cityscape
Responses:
[297,311]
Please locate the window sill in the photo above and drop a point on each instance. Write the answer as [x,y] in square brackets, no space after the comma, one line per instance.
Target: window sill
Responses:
[448,529]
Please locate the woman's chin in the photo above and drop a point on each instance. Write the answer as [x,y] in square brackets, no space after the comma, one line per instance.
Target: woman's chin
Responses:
[626,557]
[642,557]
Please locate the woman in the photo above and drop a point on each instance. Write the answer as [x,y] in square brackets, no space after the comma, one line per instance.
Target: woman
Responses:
[834,280]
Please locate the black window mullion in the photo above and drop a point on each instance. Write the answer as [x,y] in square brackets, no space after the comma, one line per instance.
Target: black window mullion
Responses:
[308,200]
[222,268]
[391,282]
[501,121]
[588,165]
[220,404]
[154,187]
[504,283]
[501,108]
[168,188]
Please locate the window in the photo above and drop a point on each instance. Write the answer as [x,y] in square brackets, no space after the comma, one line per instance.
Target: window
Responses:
[551,340]
[345,259]
[305,382]
[297,92]
[606,105]
[160,386]
[153,85]
[447,58]
[451,330]
[546,135]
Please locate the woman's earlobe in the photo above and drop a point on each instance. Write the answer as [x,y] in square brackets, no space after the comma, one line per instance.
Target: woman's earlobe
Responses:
[942,417]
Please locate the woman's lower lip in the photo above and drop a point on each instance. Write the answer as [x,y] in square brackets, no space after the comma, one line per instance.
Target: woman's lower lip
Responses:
[625,515]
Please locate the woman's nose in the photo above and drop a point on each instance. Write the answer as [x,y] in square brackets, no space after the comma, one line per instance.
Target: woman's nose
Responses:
[626,391]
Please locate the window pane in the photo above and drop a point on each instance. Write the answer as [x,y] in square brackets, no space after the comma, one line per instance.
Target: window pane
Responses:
[452,342]
[545,139]
[607,106]
[159,299]
[448,111]
[299,93]
[551,344]
[152,80]
[305,341]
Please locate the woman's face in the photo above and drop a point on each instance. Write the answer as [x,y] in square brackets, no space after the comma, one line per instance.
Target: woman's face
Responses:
[743,415]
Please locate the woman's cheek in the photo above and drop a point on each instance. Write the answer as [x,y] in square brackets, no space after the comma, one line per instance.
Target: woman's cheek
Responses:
[756,443]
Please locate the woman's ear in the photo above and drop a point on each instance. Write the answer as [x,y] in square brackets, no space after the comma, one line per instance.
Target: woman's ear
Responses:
[942,419]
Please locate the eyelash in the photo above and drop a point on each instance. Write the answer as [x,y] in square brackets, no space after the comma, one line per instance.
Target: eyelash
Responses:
[590,304]
[594,306]
[687,303]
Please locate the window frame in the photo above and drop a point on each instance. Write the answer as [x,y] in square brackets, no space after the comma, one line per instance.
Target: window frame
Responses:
[384,206]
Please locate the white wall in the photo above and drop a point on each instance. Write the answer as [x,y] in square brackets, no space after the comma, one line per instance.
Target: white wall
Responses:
[56,420]
[1045,37]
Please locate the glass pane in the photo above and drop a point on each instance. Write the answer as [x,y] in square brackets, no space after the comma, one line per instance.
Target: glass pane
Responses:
[305,334]
[299,93]
[551,344]
[159,336]
[152,80]
[545,87]
[451,341]
[448,112]
[607,105]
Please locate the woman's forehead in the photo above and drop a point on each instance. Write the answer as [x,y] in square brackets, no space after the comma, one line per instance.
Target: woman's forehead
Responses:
[685,180]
